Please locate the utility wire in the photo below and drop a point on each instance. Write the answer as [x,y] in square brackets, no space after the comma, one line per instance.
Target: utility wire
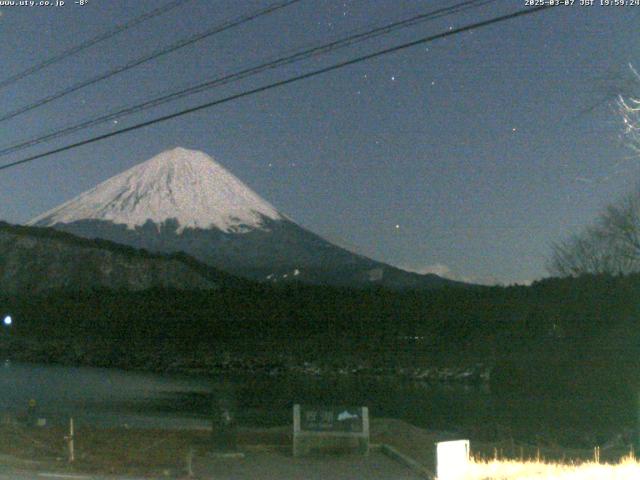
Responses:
[91,42]
[404,46]
[298,56]
[152,56]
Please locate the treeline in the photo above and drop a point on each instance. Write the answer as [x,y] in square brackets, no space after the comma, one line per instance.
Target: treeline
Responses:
[576,315]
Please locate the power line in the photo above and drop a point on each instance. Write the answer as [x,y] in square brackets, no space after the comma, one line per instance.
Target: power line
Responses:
[91,42]
[152,56]
[281,83]
[226,79]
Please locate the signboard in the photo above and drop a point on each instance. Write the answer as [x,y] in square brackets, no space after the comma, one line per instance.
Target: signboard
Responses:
[333,419]
[452,460]
[330,429]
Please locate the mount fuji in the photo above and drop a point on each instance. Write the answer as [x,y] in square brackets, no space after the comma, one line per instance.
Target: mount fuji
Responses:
[183,200]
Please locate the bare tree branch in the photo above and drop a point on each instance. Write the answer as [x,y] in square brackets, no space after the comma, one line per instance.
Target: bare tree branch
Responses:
[612,244]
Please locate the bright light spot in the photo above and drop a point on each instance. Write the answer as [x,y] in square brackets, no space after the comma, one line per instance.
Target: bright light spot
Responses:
[393,79]
[453,460]
[397,227]
[8,320]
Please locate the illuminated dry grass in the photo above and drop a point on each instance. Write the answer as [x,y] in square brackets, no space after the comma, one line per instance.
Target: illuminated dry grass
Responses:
[627,469]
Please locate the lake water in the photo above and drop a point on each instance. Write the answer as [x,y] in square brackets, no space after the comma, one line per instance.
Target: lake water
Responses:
[115,398]
[95,395]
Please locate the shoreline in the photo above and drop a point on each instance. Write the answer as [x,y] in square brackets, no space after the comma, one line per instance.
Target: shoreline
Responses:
[161,362]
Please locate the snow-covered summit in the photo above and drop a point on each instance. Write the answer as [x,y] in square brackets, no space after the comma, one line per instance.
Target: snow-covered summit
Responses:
[181,184]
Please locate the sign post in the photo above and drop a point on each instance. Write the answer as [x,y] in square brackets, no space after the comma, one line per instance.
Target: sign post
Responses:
[224,431]
[330,430]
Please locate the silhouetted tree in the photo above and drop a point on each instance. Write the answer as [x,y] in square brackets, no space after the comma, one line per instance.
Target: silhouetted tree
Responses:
[612,244]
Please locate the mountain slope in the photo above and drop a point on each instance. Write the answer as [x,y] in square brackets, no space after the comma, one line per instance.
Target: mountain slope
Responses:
[36,260]
[182,200]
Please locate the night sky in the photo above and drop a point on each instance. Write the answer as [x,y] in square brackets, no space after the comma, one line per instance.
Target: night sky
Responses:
[465,157]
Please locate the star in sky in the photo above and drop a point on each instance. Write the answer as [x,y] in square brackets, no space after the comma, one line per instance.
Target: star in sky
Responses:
[345,10]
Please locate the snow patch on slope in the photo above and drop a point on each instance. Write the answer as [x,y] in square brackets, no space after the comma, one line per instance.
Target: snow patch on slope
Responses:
[180,184]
